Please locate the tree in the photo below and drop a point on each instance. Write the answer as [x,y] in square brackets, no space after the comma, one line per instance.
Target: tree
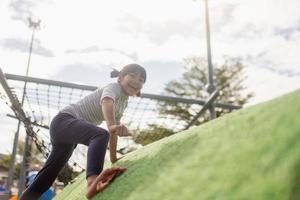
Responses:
[36,157]
[34,160]
[153,133]
[5,161]
[193,84]
[67,174]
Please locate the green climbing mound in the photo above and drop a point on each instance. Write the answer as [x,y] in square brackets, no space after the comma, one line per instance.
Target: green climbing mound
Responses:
[252,153]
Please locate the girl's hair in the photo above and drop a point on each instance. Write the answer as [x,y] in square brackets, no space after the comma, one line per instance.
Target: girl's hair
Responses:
[130,68]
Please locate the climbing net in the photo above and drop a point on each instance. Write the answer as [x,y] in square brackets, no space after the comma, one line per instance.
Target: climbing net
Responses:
[44,98]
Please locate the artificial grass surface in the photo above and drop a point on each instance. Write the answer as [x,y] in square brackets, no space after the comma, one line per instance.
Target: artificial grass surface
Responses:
[253,153]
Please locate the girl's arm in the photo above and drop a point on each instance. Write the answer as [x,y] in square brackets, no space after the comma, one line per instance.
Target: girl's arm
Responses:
[108,110]
[113,147]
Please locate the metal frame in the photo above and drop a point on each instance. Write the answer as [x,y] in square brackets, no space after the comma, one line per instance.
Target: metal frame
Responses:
[92,88]
[206,106]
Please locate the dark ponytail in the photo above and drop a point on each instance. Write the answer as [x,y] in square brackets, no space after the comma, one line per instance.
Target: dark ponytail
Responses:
[115,73]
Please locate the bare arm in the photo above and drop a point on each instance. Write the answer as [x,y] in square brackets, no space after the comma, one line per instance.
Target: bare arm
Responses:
[108,109]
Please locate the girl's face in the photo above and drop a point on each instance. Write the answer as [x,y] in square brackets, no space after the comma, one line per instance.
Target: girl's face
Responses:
[131,83]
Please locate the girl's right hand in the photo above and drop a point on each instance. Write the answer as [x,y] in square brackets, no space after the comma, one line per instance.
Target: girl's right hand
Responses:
[120,130]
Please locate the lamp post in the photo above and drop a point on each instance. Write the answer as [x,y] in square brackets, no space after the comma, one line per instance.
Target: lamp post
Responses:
[210,88]
[32,25]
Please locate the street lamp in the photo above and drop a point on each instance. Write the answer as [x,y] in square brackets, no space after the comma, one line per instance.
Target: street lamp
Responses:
[34,25]
[210,88]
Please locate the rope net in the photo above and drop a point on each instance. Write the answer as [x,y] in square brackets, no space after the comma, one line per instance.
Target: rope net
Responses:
[44,98]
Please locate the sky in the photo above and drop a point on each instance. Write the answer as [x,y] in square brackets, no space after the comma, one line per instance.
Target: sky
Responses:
[81,41]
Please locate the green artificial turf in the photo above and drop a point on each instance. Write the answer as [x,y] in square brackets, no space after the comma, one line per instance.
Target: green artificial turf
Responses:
[252,153]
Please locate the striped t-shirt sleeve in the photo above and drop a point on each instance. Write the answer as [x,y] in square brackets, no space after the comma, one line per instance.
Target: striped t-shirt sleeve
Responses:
[111,91]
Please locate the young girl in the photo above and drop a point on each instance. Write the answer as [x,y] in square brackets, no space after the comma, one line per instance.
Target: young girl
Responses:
[77,124]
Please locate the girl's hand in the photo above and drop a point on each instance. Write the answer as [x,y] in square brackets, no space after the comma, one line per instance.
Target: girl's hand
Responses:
[120,130]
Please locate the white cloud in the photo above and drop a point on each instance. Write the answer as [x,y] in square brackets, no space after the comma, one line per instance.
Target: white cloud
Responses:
[239,28]
[267,85]
[251,31]
[8,127]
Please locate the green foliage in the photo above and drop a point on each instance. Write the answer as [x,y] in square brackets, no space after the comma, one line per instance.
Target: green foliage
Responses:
[153,133]
[35,156]
[5,162]
[67,174]
[193,85]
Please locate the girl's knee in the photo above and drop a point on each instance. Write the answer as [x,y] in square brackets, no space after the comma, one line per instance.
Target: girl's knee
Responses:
[103,135]
[106,135]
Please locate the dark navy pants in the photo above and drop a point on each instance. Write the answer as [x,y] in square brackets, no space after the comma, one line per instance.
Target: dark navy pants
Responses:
[66,132]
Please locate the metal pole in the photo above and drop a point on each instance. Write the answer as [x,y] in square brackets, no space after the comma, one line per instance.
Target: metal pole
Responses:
[15,145]
[34,26]
[210,86]
[26,144]
[12,161]
[210,100]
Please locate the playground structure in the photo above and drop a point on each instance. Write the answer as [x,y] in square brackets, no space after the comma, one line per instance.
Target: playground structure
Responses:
[44,98]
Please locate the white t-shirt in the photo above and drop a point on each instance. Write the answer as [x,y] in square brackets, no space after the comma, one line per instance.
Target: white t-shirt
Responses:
[89,108]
